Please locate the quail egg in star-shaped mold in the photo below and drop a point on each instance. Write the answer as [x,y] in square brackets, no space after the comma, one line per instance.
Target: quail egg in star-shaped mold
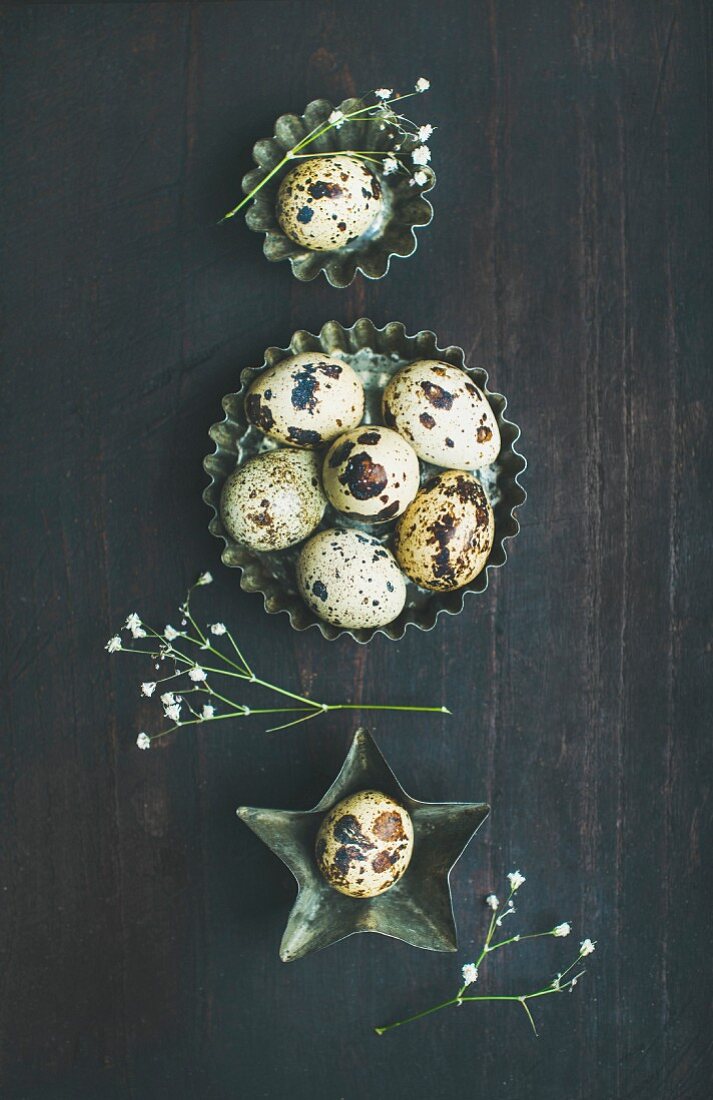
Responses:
[364,844]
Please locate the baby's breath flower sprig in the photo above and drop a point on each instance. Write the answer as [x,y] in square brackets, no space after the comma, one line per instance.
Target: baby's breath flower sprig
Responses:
[565,980]
[390,161]
[193,659]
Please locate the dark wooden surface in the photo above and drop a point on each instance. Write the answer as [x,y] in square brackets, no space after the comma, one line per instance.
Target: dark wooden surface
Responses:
[570,254]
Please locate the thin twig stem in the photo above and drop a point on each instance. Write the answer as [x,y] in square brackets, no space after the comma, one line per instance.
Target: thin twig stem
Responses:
[295,153]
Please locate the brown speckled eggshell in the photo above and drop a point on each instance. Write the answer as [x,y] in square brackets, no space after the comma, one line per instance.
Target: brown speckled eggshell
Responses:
[443,414]
[445,536]
[306,400]
[273,501]
[371,472]
[349,579]
[365,844]
[327,202]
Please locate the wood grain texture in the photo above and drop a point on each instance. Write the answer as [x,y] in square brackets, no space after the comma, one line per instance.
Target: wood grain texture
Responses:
[571,255]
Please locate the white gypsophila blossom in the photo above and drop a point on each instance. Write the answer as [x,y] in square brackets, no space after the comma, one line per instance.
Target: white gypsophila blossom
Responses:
[422,85]
[516,880]
[425,131]
[173,712]
[133,623]
[470,973]
[208,711]
[205,578]
[384,93]
[419,179]
[421,154]
[218,628]
[143,741]
[556,982]
[562,929]
[197,674]
[492,902]
[586,947]
[148,689]
[336,118]
[169,633]
[390,165]
[114,644]
[168,698]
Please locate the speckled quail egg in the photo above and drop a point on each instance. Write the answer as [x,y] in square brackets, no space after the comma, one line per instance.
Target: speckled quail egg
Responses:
[306,400]
[371,472]
[444,537]
[327,202]
[443,414]
[350,579]
[364,844]
[274,500]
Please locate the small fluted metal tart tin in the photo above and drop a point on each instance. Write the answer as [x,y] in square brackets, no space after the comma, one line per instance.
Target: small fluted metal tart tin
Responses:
[376,354]
[392,234]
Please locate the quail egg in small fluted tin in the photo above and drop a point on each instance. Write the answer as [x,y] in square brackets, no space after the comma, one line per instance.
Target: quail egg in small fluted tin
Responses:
[350,579]
[445,536]
[306,400]
[371,472]
[443,414]
[364,844]
[327,202]
[274,500]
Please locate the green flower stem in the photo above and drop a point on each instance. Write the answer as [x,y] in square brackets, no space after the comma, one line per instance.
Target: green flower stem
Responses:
[351,152]
[304,709]
[219,717]
[460,999]
[201,643]
[377,706]
[253,193]
[317,132]
[288,694]
[295,722]
[325,707]
[239,653]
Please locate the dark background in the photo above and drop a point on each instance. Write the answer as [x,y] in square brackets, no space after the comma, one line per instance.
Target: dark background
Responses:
[570,255]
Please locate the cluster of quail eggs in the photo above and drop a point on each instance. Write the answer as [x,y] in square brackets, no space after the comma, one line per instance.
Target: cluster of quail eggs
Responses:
[313,405]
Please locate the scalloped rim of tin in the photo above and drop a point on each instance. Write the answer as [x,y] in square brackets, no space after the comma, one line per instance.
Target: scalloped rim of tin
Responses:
[362,335]
[306,264]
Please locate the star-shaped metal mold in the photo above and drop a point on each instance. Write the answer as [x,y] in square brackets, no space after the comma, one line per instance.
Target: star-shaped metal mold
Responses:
[417,909]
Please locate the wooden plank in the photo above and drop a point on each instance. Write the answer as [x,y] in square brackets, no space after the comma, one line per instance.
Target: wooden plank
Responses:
[570,255]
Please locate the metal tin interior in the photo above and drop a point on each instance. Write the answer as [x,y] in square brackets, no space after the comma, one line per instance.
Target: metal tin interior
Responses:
[392,234]
[376,353]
